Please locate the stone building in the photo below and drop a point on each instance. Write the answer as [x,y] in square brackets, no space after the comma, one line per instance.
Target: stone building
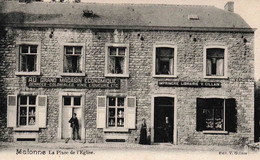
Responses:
[188,70]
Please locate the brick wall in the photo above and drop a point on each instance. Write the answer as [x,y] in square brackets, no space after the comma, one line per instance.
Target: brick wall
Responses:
[140,83]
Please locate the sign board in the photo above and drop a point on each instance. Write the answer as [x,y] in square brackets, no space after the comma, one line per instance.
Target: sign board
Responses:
[188,84]
[73,82]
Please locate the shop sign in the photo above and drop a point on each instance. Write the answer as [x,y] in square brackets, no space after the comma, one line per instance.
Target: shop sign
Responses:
[73,82]
[188,84]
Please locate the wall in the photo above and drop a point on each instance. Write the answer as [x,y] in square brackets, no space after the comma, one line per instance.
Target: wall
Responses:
[190,45]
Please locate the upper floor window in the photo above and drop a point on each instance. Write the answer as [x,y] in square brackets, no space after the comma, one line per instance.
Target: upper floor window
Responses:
[73,60]
[165,61]
[28,59]
[117,60]
[215,64]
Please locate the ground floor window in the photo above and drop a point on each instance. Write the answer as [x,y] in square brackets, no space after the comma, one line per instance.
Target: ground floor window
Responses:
[116,112]
[27,110]
[216,114]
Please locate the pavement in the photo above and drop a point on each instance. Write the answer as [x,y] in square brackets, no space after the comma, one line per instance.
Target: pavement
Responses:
[117,150]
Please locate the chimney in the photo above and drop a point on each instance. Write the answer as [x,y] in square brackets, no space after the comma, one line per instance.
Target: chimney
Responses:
[229,6]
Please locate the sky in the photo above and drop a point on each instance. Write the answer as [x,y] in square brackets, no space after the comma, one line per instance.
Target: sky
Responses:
[249,10]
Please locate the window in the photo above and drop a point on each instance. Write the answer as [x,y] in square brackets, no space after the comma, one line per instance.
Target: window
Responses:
[73,60]
[165,61]
[117,60]
[215,114]
[116,111]
[28,59]
[27,110]
[215,64]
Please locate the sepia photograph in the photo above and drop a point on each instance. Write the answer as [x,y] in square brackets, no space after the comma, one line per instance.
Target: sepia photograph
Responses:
[121,79]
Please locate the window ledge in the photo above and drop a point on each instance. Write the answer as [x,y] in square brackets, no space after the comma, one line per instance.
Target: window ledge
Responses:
[27,73]
[26,128]
[117,75]
[165,76]
[115,129]
[73,74]
[215,77]
[215,132]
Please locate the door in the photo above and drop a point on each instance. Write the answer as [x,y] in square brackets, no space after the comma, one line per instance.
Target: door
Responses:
[163,119]
[66,129]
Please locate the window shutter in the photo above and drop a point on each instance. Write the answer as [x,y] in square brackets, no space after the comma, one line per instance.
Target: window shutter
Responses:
[200,117]
[231,115]
[42,111]
[11,110]
[131,113]
[101,111]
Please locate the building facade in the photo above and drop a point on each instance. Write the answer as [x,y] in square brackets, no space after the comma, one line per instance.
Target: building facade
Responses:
[188,70]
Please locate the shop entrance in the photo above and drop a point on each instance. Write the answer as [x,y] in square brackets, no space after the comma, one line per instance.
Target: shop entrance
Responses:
[71,105]
[163,119]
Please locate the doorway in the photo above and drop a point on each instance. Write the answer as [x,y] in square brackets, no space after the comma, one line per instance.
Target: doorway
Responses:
[71,105]
[163,119]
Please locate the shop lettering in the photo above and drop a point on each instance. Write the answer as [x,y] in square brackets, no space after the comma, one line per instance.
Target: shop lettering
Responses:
[73,82]
[188,84]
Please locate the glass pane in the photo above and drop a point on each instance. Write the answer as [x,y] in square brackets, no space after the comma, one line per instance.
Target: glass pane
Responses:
[120,122]
[31,111]
[23,63]
[68,50]
[119,65]
[31,63]
[120,113]
[112,51]
[111,112]
[77,101]
[33,49]
[120,101]
[25,48]
[121,51]
[219,119]
[111,122]
[112,101]
[32,100]
[67,100]
[76,64]
[112,65]
[31,120]
[209,115]
[23,115]
[23,100]
[78,50]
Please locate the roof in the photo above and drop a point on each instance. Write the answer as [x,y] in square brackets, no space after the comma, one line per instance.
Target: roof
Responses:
[128,16]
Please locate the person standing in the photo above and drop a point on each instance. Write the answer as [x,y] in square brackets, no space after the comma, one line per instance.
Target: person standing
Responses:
[74,124]
[143,133]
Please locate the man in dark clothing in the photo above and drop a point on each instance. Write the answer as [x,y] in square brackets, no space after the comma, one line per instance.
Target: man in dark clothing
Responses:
[74,124]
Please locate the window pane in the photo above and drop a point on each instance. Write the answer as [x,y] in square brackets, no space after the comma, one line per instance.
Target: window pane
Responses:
[119,65]
[120,113]
[23,115]
[32,100]
[33,49]
[120,122]
[78,50]
[72,64]
[31,63]
[121,51]
[77,101]
[67,100]
[165,61]
[112,101]
[209,119]
[120,101]
[23,63]
[69,50]
[31,115]
[25,48]
[112,65]
[112,51]
[23,100]
[219,119]
[111,112]
[215,62]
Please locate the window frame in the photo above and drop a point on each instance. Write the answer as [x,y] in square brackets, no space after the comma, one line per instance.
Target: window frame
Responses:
[62,73]
[116,107]
[173,46]
[225,62]
[117,45]
[224,131]
[38,59]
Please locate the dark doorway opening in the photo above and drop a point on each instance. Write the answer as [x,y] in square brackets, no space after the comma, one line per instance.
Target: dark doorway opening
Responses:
[163,119]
